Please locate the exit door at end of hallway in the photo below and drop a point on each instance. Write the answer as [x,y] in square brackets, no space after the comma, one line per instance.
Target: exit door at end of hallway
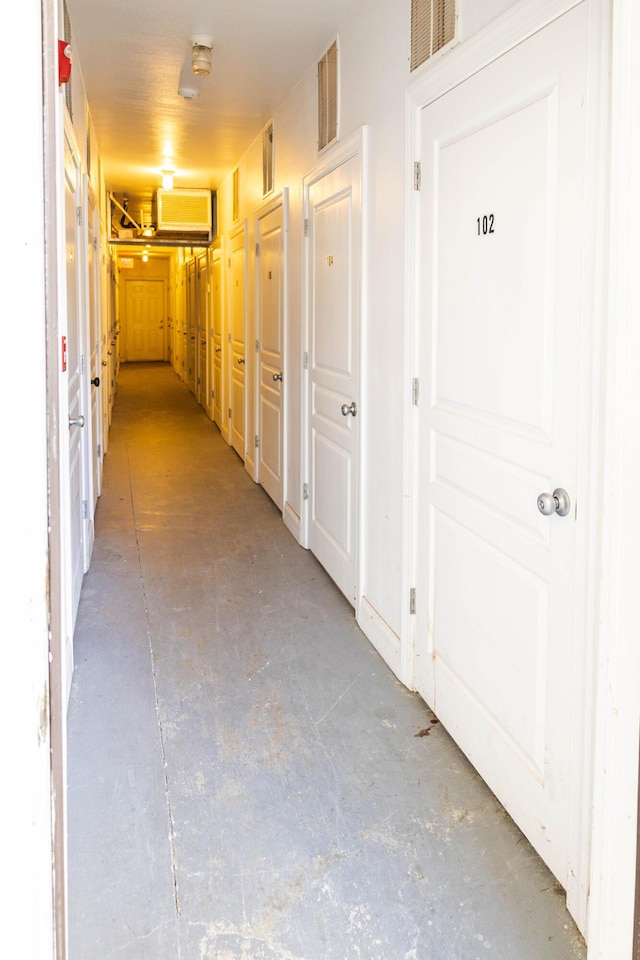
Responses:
[501,217]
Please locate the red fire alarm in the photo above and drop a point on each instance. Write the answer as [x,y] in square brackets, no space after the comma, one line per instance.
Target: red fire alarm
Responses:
[64,62]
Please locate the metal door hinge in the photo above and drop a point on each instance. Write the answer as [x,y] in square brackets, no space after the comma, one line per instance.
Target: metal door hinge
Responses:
[305,360]
[229,413]
[305,491]
[412,600]
[82,363]
[79,215]
[229,338]
[415,391]
[257,441]
[257,344]
[99,451]
[306,227]
[95,243]
[257,249]
[417,175]
[213,394]
[85,509]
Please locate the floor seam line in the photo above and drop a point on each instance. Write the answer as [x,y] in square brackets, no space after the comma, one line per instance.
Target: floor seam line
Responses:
[163,753]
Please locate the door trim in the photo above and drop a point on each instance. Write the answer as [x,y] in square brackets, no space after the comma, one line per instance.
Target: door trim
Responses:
[352,147]
[512,28]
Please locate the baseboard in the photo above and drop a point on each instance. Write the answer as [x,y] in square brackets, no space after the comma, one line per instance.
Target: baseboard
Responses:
[382,637]
[291,521]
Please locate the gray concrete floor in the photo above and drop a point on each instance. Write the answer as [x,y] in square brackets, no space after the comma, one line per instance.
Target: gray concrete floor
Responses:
[245,777]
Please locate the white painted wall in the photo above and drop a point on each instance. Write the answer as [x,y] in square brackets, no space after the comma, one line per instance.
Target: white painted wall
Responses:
[374,74]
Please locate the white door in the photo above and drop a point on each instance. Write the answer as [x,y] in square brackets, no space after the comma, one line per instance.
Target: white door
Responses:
[218,380]
[202,299]
[270,354]
[500,275]
[95,355]
[146,316]
[78,415]
[334,205]
[192,325]
[236,289]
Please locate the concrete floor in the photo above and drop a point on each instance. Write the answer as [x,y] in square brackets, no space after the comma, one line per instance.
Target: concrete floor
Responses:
[246,779]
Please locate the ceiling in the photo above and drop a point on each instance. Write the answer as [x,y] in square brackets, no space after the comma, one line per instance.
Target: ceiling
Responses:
[134,55]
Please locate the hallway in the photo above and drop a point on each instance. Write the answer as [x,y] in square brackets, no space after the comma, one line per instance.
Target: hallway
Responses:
[247,779]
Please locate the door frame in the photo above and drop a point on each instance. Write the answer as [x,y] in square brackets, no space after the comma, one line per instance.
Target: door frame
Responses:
[271,204]
[354,146]
[501,36]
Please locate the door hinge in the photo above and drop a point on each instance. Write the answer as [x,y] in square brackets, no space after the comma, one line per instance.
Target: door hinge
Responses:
[85,509]
[306,227]
[95,243]
[228,261]
[412,600]
[213,394]
[415,391]
[99,451]
[229,413]
[305,491]
[79,215]
[82,363]
[257,441]
[229,338]
[257,345]
[417,175]
[305,360]
[257,249]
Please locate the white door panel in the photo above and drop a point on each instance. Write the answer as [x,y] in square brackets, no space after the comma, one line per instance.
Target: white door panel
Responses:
[500,279]
[78,416]
[270,336]
[334,277]
[218,378]
[237,322]
[146,314]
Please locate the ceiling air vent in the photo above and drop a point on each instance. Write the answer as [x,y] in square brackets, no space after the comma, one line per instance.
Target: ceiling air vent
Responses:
[184,212]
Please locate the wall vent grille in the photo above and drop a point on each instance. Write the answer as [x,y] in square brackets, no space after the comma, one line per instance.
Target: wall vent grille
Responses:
[433,25]
[267,159]
[328,97]
[184,211]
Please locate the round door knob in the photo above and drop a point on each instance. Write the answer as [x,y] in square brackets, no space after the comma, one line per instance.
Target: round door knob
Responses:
[349,408]
[104,363]
[76,421]
[96,381]
[240,359]
[277,376]
[556,502]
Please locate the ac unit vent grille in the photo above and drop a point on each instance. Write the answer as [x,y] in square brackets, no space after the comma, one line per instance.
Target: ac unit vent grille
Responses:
[187,211]
[433,26]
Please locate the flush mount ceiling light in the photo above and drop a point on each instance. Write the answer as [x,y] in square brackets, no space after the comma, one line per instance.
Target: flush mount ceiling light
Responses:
[201,55]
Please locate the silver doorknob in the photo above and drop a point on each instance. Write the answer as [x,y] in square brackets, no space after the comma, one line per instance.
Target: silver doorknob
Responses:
[349,408]
[556,502]
[277,376]
[76,421]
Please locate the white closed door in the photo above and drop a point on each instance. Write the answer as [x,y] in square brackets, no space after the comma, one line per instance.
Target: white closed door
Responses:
[78,414]
[334,206]
[192,326]
[95,369]
[500,281]
[217,318]
[202,325]
[146,318]
[237,378]
[270,337]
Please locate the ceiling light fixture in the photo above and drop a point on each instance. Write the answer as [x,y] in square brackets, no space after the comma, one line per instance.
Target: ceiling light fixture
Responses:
[167,179]
[201,55]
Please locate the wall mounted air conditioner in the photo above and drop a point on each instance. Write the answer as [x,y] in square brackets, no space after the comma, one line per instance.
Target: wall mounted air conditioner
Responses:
[184,212]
